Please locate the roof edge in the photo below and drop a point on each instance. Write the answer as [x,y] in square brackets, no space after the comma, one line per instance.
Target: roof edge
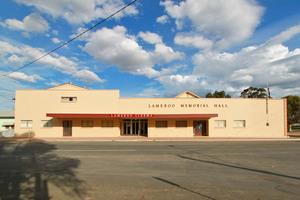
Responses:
[189,93]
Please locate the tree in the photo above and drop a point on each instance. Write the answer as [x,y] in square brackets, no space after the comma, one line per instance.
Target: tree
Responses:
[218,94]
[253,92]
[293,108]
[209,95]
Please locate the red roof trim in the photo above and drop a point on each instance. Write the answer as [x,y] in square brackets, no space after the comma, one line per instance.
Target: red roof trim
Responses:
[77,115]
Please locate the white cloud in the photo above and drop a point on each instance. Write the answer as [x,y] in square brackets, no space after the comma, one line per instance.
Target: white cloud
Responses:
[55,40]
[16,60]
[26,34]
[175,84]
[23,77]
[121,49]
[285,35]
[8,87]
[226,22]
[78,11]
[22,53]
[31,23]
[79,31]
[151,38]
[253,66]
[166,54]
[193,40]
[87,76]
[118,49]
[6,48]
[148,93]
[53,83]
[162,19]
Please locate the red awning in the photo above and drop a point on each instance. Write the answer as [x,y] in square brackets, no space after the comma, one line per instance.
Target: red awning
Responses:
[76,115]
[81,115]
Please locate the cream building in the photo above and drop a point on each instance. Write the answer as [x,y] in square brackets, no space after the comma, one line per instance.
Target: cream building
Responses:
[72,111]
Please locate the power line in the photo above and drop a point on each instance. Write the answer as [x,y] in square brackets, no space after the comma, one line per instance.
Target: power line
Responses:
[6,98]
[74,38]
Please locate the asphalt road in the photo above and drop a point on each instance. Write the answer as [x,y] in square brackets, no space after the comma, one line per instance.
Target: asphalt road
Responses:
[150,170]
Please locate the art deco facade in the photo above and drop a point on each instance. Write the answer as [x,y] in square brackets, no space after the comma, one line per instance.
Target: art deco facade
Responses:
[72,111]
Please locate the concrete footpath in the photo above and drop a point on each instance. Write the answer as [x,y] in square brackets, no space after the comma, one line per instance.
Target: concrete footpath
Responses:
[141,139]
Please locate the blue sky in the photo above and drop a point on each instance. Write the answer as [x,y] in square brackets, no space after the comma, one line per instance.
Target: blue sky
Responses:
[152,48]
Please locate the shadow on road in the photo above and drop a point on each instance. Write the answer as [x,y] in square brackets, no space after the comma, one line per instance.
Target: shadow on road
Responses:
[27,169]
[239,167]
[179,186]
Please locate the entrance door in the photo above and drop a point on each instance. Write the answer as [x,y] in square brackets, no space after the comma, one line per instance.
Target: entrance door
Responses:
[67,128]
[200,128]
[126,127]
[144,127]
[135,127]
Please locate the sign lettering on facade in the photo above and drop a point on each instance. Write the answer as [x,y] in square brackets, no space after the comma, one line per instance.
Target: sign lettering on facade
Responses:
[190,105]
[131,115]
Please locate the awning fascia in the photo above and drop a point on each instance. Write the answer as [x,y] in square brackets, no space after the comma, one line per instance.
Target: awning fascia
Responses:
[8,124]
[77,115]
[161,116]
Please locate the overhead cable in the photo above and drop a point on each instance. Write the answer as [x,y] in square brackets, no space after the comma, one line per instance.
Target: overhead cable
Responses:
[74,38]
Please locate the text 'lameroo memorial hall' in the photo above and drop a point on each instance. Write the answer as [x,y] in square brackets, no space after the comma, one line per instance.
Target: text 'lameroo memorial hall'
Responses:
[72,111]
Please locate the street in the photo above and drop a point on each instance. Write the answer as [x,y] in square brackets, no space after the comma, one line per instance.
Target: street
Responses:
[150,170]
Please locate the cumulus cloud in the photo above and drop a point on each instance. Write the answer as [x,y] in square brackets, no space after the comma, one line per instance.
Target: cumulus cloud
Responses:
[167,54]
[163,19]
[79,31]
[17,55]
[87,76]
[8,87]
[193,40]
[78,11]
[117,48]
[253,66]
[151,38]
[16,60]
[225,22]
[176,84]
[55,40]
[32,23]
[6,48]
[26,34]
[148,93]
[53,83]
[23,77]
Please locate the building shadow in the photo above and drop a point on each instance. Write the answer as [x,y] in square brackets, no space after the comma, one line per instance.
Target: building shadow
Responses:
[27,169]
[241,168]
[183,188]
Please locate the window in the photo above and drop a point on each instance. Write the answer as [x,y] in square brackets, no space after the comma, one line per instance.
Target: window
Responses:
[181,123]
[220,123]
[239,123]
[68,99]
[107,123]
[47,123]
[87,123]
[161,124]
[26,123]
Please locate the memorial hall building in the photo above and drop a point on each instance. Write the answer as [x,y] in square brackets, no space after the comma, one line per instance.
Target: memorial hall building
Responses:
[72,111]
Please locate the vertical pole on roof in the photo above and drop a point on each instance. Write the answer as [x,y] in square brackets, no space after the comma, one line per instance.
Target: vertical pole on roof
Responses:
[267,104]
[267,98]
